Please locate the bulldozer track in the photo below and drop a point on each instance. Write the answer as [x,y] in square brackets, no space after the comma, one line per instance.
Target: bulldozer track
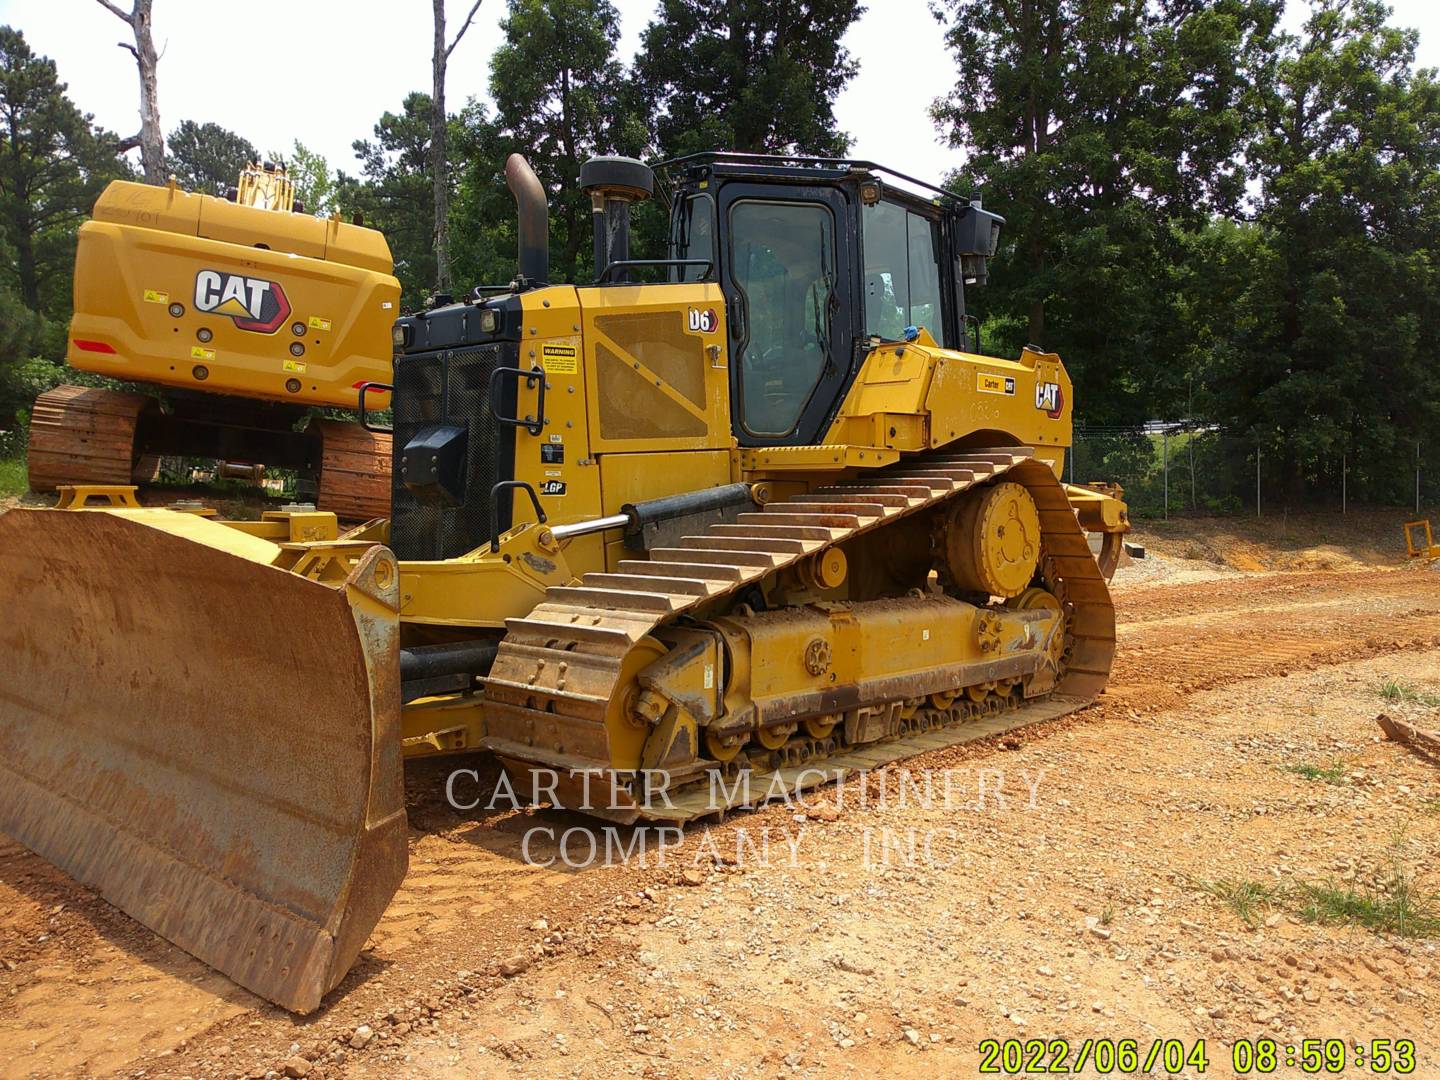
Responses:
[560,667]
[354,481]
[81,435]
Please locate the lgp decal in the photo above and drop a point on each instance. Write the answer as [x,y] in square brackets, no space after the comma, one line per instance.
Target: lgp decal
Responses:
[1049,399]
[253,303]
[552,487]
[703,321]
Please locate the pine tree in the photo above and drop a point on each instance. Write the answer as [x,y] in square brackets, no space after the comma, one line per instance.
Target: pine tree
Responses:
[396,195]
[750,75]
[560,98]
[1101,131]
[53,165]
[207,157]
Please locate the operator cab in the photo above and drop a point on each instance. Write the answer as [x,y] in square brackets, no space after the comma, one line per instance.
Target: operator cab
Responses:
[817,258]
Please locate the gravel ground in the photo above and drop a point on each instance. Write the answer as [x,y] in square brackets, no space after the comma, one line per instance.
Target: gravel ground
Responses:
[1067,890]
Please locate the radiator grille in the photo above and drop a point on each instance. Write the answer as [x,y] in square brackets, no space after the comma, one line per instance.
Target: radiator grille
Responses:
[451,387]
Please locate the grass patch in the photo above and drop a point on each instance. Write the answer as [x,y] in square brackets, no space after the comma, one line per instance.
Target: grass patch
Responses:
[1397,908]
[1248,899]
[1334,773]
[14,478]
[1394,906]
[1398,690]
[1107,916]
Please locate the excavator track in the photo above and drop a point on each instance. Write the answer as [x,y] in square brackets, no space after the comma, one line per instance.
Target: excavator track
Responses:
[83,435]
[354,480]
[560,668]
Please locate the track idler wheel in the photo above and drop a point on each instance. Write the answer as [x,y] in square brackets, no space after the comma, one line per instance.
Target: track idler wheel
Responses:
[992,541]
[1055,650]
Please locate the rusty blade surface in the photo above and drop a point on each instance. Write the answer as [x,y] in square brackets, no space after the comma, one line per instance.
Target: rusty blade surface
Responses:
[209,741]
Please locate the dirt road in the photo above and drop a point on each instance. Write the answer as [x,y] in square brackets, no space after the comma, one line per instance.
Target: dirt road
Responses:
[1069,891]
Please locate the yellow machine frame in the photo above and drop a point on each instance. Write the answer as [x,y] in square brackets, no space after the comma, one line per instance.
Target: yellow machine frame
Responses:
[198,292]
[1417,548]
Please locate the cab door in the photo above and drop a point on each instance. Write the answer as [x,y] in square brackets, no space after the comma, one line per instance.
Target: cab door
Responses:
[787,270]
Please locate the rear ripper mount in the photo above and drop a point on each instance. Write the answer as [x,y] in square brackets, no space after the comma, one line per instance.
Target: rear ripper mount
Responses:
[82,435]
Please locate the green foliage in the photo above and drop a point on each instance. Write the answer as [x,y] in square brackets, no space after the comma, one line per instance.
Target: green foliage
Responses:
[395,194]
[1399,690]
[1248,899]
[53,165]
[753,75]
[14,479]
[207,157]
[1331,295]
[1395,907]
[1099,131]
[1334,773]
[483,240]
[314,182]
[1213,220]
[560,97]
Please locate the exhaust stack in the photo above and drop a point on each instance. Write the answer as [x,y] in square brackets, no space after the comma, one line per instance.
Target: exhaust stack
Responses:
[613,183]
[534,219]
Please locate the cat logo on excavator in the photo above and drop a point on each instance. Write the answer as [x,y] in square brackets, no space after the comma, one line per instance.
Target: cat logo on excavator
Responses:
[253,303]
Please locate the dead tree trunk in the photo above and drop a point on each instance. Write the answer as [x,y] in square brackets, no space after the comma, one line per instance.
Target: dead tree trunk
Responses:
[439,165]
[150,140]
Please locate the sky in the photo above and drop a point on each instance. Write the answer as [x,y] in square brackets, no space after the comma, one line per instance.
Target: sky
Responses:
[325,71]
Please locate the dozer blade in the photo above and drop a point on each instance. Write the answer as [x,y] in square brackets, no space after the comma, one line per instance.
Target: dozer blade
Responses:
[208,740]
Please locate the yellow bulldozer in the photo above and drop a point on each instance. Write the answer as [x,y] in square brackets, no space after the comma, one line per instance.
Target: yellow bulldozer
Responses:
[249,313]
[664,548]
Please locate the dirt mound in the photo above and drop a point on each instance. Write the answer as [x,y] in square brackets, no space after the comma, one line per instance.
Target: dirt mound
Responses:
[1205,548]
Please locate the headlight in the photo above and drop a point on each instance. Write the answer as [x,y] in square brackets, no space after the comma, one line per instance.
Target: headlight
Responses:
[400,335]
[489,320]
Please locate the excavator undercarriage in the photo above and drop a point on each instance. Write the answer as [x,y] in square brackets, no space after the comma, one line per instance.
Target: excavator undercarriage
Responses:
[237,317]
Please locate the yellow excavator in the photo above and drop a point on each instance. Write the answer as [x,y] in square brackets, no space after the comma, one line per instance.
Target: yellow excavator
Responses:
[249,313]
[662,547]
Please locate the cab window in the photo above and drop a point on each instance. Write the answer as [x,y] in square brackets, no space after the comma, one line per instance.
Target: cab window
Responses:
[783,257]
[693,236]
[902,272]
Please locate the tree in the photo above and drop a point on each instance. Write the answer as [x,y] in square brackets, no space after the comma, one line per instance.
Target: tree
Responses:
[439,163]
[149,138]
[1102,132]
[1330,305]
[482,217]
[207,157]
[53,165]
[314,182]
[750,75]
[395,195]
[560,97]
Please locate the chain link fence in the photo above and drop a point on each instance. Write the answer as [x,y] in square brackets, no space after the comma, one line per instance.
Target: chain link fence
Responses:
[1171,469]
